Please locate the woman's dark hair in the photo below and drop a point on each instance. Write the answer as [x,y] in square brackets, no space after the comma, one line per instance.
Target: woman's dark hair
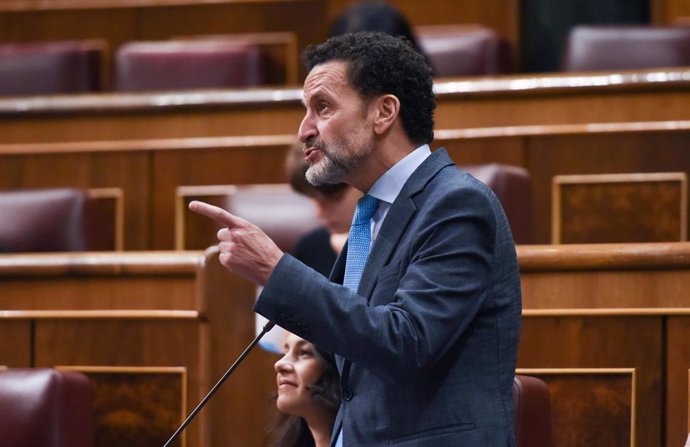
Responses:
[380,64]
[292,431]
[373,16]
[296,169]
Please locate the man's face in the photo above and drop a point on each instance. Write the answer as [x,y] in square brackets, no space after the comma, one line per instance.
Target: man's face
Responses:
[336,130]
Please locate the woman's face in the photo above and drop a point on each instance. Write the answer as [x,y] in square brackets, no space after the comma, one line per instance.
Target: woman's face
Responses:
[296,371]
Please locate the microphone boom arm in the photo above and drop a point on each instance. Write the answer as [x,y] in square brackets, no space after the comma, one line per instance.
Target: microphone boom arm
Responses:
[267,327]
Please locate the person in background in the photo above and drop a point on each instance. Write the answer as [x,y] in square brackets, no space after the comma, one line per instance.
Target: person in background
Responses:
[335,204]
[308,395]
[375,16]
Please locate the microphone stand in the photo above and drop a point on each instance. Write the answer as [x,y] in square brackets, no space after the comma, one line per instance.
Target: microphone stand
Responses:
[267,327]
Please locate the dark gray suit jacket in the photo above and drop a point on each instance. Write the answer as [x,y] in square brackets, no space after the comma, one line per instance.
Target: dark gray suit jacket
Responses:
[428,345]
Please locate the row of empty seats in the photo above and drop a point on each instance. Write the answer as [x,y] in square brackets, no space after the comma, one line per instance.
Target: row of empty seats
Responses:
[650,207]
[67,219]
[244,60]
[214,62]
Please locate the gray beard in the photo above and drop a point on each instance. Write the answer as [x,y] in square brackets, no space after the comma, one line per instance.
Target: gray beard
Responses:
[334,167]
[329,170]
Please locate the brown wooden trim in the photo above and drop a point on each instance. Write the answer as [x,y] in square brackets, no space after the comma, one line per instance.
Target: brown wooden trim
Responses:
[117,196]
[532,85]
[608,312]
[181,195]
[99,314]
[650,256]
[441,135]
[104,263]
[57,5]
[152,144]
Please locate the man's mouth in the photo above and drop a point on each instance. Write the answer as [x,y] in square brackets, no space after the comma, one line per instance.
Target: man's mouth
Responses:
[310,154]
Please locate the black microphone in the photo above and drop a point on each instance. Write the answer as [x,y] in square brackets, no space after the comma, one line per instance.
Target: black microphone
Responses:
[267,327]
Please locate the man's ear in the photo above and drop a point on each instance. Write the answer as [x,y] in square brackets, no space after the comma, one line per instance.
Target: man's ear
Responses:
[387,111]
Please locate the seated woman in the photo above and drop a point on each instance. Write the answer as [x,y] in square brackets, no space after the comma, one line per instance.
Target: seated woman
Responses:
[308,395]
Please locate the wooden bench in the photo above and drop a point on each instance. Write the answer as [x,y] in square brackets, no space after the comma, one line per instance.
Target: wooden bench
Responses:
[604,325]
[149,171]
[614,306]
[463,103]
[152,331]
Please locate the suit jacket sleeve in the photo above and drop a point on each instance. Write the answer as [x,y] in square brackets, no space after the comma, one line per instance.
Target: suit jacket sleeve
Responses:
[429,289]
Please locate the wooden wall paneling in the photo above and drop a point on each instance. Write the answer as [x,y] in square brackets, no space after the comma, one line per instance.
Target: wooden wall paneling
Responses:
[148,171]
[602,342]
[591,406]
[233,161]
[243,409]
[108,208]
[137,405]
[129,416]
[605,289]
[120,22]
[604,278]
[15,344]
[677,376]
[465,149]
[154,121]
[669,12]
[192,231]
[629,207]
[92,291]
[463,103]
[128,171]
[148,309]
[598,153]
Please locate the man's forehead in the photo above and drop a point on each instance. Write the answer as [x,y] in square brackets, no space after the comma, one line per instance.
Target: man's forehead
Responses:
[327,76]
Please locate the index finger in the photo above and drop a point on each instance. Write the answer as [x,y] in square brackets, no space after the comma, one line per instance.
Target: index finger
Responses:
[214,212]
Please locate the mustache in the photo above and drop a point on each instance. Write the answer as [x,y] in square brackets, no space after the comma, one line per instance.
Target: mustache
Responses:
[314,143]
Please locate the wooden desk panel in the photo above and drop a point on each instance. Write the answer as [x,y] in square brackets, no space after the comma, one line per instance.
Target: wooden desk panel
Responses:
[15,344]
[207,328]
[119,22]
[130,310]
[677,375]
[614,305]
[463,103]
[255,162]
[601,342]
[127,171]
[591,406]
[599,153]
[148,171]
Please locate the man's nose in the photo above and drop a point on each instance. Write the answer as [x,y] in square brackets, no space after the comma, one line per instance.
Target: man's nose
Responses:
[307,129]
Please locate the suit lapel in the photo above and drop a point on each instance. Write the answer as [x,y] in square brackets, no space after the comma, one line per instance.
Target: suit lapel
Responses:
[398,218]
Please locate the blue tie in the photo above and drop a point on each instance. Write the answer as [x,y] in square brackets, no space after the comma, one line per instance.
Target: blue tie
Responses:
[359,241]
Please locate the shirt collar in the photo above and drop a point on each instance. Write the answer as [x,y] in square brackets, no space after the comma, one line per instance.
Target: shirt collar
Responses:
[389,185]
